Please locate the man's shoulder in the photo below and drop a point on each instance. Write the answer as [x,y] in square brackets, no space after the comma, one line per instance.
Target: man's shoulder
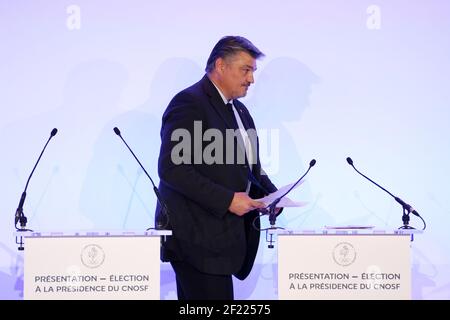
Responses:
[191,93]
[192,99]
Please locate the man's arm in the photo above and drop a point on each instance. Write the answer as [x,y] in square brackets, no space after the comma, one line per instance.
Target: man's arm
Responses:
[184,178]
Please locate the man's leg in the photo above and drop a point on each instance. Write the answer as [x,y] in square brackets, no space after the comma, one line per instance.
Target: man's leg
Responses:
[195,285]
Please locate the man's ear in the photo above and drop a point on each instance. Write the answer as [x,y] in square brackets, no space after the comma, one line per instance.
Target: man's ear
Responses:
[220,65]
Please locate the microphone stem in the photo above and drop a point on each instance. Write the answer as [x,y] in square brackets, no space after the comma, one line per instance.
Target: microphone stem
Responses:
[138,161]
[293,186]
[272,206]
[32,171]
[19,216]
[373,182]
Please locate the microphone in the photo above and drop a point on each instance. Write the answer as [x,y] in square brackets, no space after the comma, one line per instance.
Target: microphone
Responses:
[406,207]
[165,211]
[272,214]
[19,216]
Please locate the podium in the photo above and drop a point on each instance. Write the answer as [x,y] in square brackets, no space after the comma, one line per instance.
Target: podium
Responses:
[92,265]
[344,264]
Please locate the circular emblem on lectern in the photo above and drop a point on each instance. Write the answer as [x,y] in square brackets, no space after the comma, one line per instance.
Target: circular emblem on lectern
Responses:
[344,254]
[92,256]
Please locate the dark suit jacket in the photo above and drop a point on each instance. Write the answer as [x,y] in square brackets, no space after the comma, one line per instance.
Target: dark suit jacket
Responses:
[198,195]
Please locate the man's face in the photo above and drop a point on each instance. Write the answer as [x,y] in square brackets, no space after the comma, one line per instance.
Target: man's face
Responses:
[237,74]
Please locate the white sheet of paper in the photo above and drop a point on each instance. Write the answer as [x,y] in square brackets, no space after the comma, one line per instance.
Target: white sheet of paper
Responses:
[285,201]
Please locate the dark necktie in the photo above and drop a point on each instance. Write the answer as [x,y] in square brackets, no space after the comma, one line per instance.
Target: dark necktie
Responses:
[251,177]
[230,111]
[235,125]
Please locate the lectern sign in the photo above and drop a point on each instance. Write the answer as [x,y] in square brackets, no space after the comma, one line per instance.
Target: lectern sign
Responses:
[331,266]
[92,267]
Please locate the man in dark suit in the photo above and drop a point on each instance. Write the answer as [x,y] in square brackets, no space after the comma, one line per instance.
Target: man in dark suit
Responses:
[209,177]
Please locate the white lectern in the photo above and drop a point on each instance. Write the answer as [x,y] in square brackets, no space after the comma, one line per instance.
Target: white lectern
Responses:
[93,265]
[344,264]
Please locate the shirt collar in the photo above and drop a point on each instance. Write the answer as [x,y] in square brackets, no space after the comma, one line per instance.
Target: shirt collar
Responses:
[221,94]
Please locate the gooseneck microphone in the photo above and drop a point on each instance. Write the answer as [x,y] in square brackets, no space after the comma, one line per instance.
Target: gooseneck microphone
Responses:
[159,225]
[272,206]
[19,216]
[406,207]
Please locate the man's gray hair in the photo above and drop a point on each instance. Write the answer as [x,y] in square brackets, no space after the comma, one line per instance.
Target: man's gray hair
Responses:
[229,46]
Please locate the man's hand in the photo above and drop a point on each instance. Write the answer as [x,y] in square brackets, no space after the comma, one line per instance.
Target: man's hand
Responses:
[242,203]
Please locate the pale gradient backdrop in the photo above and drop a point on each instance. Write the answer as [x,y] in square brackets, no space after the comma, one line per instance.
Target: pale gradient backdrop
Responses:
[366,79]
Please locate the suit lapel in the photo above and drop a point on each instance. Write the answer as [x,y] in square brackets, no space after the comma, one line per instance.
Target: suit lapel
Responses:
[216,101]
[245,118]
